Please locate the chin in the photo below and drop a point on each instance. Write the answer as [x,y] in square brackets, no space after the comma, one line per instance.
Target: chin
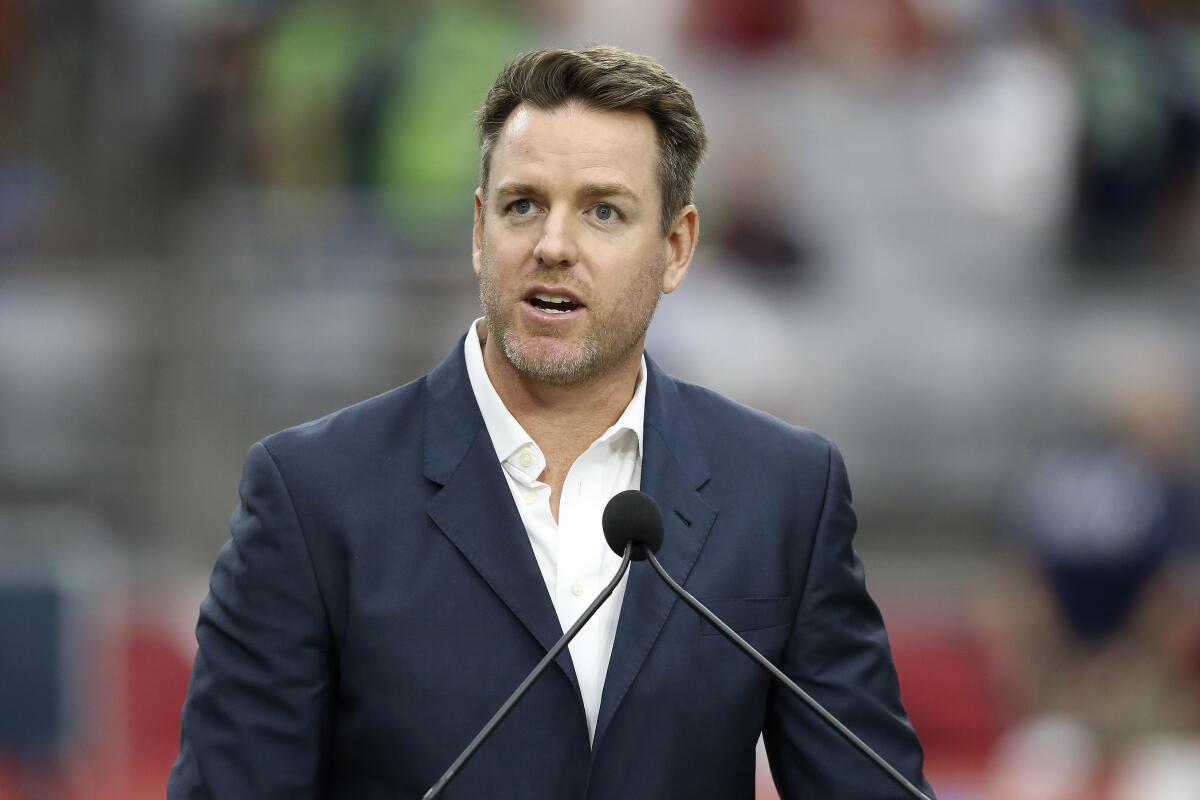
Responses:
[552,361]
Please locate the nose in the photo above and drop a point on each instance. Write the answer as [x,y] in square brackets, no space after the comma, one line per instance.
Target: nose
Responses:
[557,246]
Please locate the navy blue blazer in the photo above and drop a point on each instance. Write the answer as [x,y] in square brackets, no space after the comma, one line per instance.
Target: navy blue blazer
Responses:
[379,599]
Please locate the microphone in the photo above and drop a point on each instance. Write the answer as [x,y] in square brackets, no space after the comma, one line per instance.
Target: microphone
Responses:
[639,509]
[632,518]
[629,531]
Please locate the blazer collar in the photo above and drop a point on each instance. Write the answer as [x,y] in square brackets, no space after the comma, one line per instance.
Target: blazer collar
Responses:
[475,508]
[452,418]
[674,468]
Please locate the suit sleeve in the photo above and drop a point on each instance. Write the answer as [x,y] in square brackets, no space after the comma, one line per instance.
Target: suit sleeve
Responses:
[838,652]
[257,715]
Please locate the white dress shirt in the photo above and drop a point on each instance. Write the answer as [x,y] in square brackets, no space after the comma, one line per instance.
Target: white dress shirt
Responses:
[575,561]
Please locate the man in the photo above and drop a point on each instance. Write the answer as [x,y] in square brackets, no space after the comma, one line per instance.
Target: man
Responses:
[397,567]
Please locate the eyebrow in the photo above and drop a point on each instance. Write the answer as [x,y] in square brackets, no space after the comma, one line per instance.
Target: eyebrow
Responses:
[508,189]
[607,190]
[589,190]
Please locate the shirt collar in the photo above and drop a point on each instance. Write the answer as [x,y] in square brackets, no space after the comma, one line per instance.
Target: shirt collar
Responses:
[506,433]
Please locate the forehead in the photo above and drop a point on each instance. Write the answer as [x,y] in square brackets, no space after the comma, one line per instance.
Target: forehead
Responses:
[572,144]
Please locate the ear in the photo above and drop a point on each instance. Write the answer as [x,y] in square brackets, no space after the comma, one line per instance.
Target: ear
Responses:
[681,245]
[477,231]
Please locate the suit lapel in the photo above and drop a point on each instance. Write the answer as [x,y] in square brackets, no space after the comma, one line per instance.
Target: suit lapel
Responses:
[475,508]
[673,469]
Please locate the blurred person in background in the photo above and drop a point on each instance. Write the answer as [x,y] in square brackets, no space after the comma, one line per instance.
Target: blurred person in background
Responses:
[755,233]
[367,94]
[1099,640]
[397,567]
[1138,162]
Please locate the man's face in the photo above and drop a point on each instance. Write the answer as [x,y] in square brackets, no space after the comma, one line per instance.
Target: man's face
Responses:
[568,247]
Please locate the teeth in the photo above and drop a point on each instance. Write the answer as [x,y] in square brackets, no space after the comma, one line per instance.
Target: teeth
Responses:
[553,298]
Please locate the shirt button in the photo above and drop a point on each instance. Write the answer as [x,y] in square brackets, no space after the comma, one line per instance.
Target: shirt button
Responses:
[526,459]
[577,589]
[529,498]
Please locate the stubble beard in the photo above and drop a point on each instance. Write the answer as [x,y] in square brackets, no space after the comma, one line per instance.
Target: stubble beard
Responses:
[608,343]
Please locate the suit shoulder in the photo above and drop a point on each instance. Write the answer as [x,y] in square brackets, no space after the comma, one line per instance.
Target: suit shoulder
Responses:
[713,412]
[355,428]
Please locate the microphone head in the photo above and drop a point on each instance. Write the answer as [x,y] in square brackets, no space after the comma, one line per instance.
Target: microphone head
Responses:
[633,516]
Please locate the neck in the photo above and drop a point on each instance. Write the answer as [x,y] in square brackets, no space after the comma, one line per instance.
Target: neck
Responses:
[563,418]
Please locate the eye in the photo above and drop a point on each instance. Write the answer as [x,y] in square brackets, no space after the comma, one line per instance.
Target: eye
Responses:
[606,213]
[521,207]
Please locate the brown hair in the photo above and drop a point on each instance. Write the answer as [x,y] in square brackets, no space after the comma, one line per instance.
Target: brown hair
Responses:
[605,79]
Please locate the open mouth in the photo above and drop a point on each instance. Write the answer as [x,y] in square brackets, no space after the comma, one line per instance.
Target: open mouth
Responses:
[553,303]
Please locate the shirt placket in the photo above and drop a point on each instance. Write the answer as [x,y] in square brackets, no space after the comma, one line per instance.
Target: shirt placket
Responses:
[523,467]
[570,588]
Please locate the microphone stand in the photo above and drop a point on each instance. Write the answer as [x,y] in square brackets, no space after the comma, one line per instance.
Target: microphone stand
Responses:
[520,691]
[829,718]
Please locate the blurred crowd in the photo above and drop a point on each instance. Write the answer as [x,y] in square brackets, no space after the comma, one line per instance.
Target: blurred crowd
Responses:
[962,237]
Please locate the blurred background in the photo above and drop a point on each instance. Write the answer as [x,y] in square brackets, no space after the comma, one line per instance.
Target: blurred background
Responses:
[960,237]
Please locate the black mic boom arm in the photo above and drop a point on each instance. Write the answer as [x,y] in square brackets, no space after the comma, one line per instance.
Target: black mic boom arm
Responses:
[807,699]
[519,692]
